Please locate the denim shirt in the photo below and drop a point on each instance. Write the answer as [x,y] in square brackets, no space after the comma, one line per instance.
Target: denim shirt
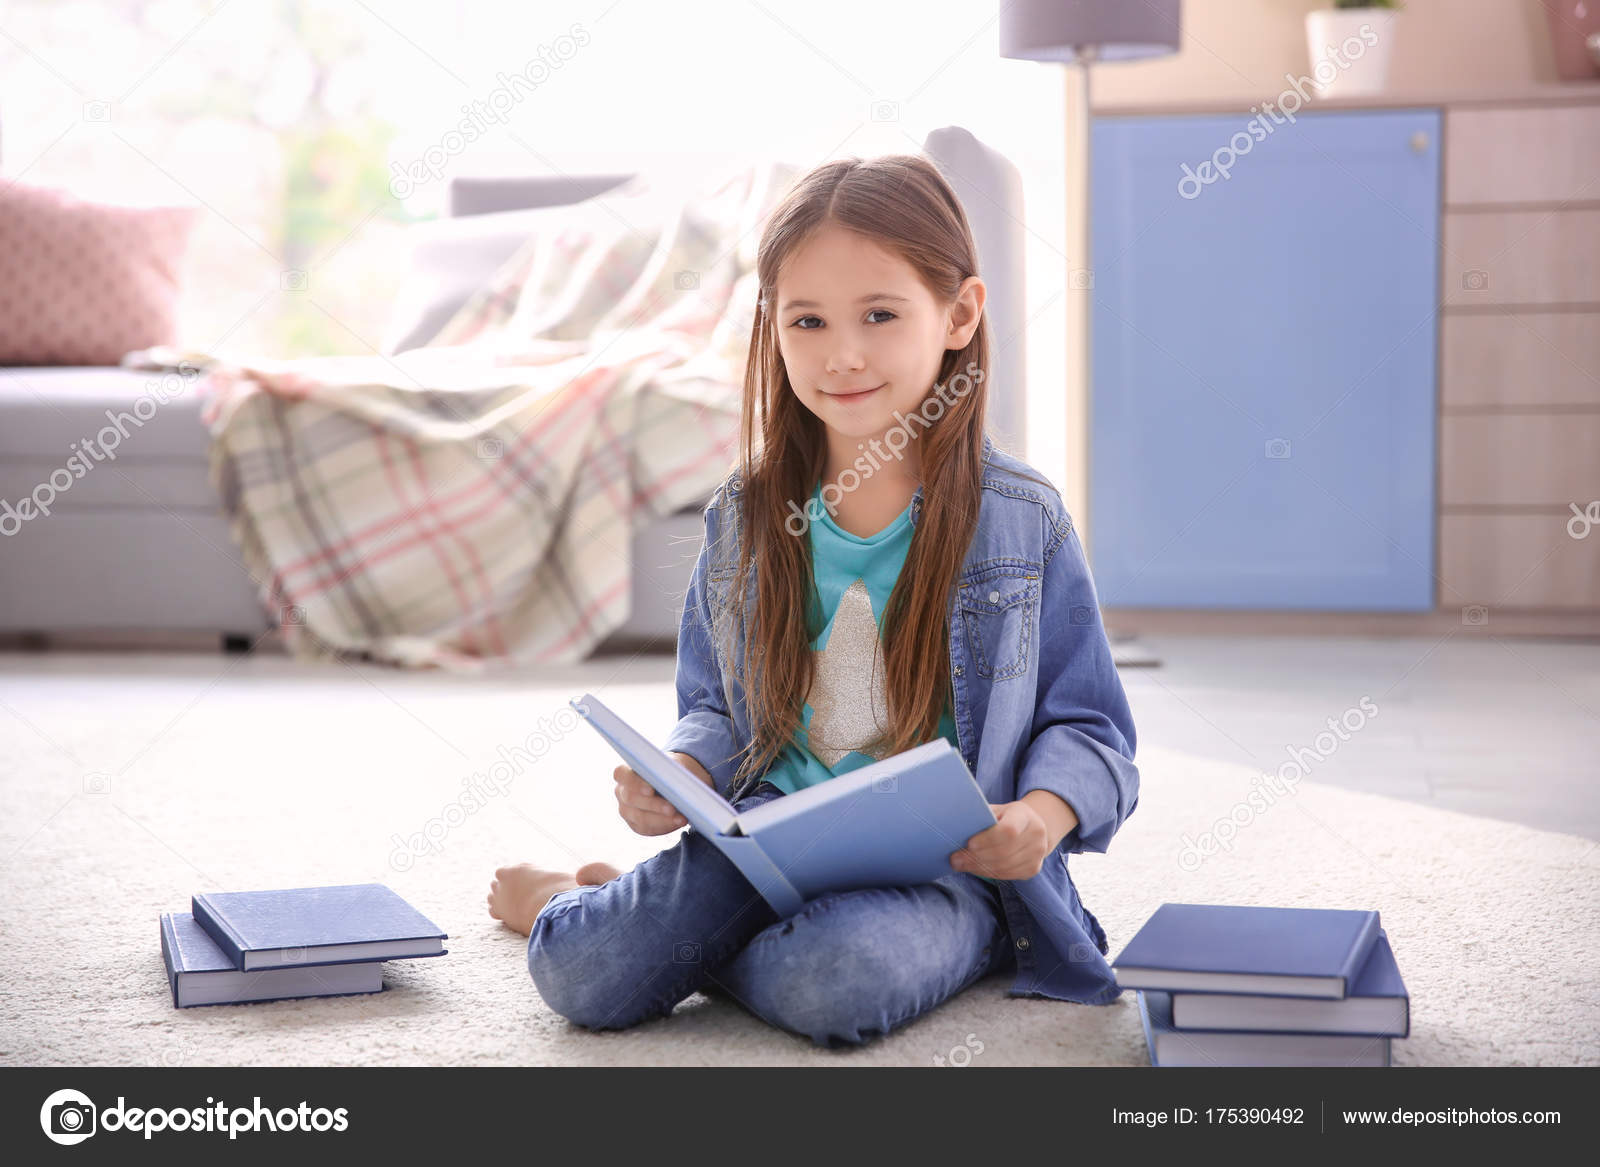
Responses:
[1038,702]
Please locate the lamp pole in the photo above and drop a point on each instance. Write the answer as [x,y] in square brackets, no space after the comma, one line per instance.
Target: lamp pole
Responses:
[1080,296]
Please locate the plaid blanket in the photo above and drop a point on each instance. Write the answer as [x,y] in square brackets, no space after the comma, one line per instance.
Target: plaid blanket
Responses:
[474,500]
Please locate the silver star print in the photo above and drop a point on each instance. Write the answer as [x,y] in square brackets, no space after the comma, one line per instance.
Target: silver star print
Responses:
[849,706]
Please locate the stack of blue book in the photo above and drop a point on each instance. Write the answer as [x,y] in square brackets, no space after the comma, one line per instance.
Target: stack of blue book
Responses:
[1223,985]
[290,942]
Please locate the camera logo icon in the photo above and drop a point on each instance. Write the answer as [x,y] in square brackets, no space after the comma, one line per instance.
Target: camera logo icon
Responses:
[68,1117]
[686,952]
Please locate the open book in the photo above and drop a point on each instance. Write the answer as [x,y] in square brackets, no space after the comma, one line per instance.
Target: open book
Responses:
[892,823]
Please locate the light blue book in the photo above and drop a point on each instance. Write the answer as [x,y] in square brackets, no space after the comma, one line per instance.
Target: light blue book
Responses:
[893,823]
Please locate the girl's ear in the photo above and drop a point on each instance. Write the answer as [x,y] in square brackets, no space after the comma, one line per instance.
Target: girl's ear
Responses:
[966,312]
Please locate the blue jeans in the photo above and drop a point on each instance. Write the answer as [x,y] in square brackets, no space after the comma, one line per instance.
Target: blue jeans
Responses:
[845,967]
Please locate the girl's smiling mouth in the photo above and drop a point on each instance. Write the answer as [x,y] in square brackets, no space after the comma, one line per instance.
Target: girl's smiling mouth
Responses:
[861,396]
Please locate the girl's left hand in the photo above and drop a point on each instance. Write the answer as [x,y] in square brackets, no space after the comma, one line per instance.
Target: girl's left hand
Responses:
[1014,848]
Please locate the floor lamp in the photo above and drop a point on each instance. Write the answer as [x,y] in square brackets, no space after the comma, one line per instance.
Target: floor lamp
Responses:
[1080,33]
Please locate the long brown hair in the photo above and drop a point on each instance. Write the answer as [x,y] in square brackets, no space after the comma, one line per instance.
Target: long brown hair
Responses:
[902,203]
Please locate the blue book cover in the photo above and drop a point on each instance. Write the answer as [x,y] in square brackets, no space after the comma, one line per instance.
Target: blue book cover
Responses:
[200,973]
[1199,1047]
[297,926]
[1377,1005]
[1226,948]
[892,823]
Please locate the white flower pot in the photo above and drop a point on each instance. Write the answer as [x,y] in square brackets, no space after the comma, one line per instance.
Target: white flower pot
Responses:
[1349,49]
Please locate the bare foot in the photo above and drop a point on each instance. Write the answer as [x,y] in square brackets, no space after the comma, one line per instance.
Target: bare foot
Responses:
[597,873]
[518,893]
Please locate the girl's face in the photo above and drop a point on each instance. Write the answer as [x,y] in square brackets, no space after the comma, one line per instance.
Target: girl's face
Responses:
[853,316]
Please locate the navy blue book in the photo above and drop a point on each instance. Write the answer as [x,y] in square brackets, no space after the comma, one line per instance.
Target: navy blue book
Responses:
[1200,1047]
[200,973]
[297,926]
[1377,1005]
[1224,948]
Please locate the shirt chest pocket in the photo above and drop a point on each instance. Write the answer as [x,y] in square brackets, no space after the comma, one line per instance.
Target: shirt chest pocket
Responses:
[998,615]
[719,588]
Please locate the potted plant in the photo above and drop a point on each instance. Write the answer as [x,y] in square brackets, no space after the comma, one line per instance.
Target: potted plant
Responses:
[1350,45]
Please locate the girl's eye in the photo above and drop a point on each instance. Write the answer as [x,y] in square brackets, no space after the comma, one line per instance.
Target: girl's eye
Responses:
[885,311]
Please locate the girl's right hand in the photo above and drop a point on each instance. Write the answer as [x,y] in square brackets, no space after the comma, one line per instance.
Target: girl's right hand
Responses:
[645,811]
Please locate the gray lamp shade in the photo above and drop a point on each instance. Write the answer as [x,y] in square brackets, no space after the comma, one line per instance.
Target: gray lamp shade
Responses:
[1118,30]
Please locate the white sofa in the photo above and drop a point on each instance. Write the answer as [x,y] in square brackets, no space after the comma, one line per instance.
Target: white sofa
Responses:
[140,545]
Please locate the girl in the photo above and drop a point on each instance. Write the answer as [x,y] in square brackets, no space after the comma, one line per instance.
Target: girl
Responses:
[929,584]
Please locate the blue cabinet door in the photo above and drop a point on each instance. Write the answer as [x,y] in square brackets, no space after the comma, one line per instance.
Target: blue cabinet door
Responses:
[1262,407]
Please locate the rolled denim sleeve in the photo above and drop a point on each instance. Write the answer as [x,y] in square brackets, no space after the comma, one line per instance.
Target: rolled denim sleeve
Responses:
[705,730]
[1083,739]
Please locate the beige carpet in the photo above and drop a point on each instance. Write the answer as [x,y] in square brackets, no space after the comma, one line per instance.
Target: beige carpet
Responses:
[126,792]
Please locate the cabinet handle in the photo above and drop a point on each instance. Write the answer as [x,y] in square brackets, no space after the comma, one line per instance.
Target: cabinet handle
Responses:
[1419,142]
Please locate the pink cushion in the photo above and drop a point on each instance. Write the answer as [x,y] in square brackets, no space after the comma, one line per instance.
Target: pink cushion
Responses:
[83,283]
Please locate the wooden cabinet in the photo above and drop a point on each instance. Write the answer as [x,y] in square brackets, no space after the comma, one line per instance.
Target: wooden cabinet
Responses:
[1406,300]
[1525,153]
[1519,346]
[1262,417]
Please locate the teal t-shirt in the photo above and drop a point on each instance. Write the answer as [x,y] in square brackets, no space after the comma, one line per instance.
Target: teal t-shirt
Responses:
[847,705]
